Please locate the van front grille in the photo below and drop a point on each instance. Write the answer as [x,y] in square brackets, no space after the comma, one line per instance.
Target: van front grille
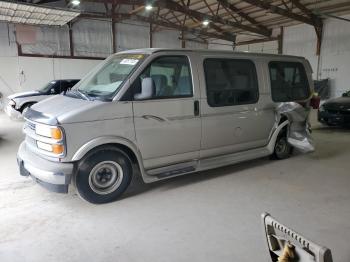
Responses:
[30,125]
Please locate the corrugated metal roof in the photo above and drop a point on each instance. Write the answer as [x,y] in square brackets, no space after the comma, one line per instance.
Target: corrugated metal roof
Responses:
[34,14]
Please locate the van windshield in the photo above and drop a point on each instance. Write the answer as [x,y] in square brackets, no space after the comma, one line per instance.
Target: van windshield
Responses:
[106,81]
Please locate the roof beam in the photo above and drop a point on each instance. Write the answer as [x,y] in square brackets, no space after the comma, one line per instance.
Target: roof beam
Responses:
[137,9]
[318,24]
[160,23]
[236,10]
[255,41]
[283,12]
[218,29]
[306,11]
[124,2]
[169,4]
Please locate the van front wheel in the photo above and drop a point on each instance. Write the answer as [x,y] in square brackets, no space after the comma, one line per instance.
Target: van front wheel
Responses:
[103,175]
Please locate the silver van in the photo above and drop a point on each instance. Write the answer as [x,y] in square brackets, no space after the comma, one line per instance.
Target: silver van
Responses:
[163,113]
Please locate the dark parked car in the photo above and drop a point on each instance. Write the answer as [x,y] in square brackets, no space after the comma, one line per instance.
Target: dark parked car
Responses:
[336,112]
[19,102]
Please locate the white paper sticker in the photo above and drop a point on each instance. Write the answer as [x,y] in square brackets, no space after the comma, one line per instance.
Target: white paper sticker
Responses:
[129,62]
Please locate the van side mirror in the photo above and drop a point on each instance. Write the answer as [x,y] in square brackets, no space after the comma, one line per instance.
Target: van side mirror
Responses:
[147,89]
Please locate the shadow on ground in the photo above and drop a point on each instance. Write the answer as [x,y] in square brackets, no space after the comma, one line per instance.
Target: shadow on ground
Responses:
[138,187]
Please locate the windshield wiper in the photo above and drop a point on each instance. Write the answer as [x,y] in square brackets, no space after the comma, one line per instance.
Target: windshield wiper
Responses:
[82,94]
[77,93]
[94,93]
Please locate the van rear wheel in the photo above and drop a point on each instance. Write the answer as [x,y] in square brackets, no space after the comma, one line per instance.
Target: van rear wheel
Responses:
[282,148]
[103,175]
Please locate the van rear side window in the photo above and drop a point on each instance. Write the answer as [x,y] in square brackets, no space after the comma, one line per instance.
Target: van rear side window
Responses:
[288,81]
[230,82]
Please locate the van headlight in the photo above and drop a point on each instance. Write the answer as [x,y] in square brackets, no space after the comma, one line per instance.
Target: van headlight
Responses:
[50,139]
[57,149]
[53,132]
[321,109]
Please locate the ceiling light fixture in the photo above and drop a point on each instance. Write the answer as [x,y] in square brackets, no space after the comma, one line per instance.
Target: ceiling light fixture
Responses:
[75,2]
[148,7]
[205,22]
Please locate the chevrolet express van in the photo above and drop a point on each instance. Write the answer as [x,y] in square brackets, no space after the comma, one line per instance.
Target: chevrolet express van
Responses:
[163,113]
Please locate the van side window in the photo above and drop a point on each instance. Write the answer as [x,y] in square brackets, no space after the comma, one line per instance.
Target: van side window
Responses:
[230,82]
[171,76]
[288,81]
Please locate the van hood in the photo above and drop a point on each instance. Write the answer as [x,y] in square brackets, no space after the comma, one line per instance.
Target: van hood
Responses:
[63,109]
[25,94]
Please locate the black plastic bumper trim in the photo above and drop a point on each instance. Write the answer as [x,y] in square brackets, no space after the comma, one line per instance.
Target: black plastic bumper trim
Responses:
[52,187]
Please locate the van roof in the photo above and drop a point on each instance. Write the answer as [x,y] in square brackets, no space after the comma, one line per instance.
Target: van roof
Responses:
[203,51]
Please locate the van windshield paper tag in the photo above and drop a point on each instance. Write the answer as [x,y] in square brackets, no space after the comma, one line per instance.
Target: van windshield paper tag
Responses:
[129,61]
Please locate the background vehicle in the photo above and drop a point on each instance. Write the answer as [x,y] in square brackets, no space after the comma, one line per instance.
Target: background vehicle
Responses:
[170,112]
[19,102]
[335,112]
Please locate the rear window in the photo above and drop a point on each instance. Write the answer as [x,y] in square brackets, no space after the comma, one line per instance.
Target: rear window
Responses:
[288,81]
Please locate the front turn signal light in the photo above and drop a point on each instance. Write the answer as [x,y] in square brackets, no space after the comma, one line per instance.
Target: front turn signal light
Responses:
[57,149]
[56,133]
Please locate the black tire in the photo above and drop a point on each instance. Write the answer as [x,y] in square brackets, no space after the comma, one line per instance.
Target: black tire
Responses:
[282,148]
[104,166]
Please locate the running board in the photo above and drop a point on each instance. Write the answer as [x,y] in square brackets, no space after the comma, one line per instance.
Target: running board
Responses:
[234,158]
[208,163]
[177,172]
[173,170]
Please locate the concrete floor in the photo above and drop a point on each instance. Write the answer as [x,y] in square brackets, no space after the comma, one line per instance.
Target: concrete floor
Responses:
[209,216]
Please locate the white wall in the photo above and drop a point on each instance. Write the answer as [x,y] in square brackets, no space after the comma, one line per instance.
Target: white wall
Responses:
[335,55]
[335,51]
[166,39]
[218,44]
[270,47]
[300,40]
[196,45]
[7,40]
[19,73]
[91,38]
[132,35]
[49,41]
[28,73]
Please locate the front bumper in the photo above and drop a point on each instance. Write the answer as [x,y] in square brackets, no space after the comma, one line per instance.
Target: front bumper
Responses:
[333,119]
[54,176]
[11,112]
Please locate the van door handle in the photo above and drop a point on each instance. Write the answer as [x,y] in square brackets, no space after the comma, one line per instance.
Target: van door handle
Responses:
[196,107]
